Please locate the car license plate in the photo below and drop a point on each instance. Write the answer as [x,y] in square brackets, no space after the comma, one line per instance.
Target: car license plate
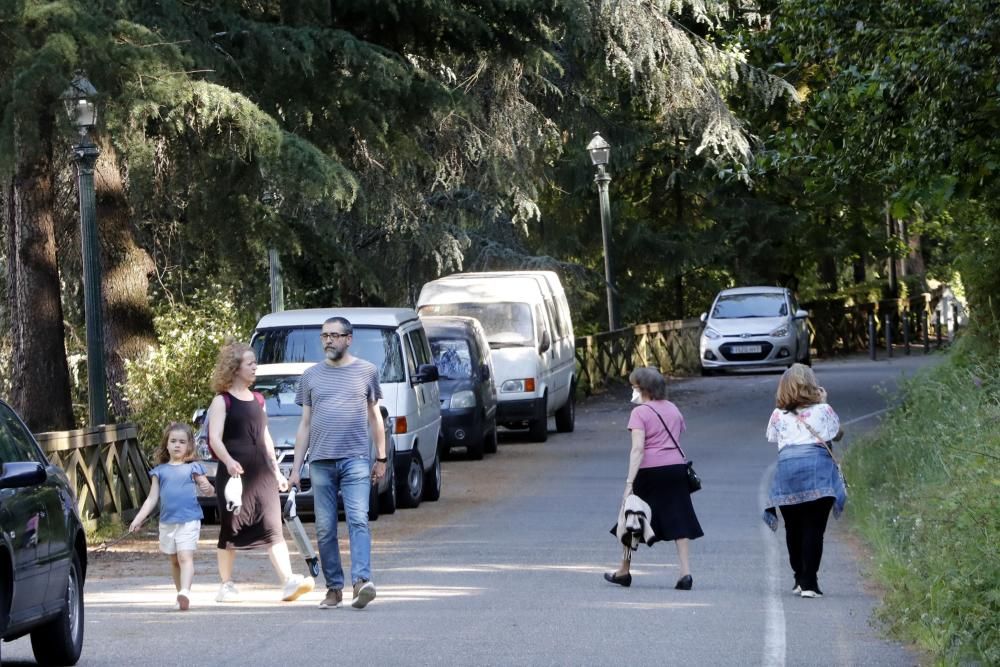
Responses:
[747,349]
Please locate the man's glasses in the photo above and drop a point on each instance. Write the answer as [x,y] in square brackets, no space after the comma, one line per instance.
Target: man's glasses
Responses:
[333,336]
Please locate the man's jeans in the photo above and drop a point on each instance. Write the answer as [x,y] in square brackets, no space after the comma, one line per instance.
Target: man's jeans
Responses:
[353,477]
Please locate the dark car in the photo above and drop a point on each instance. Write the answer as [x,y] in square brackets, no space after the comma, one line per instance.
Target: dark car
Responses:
[465,379]
[283,416]
[43,549]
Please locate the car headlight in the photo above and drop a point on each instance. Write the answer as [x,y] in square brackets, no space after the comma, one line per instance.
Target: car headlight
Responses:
[463,399]
[780,332]
[518,386]
[711,333]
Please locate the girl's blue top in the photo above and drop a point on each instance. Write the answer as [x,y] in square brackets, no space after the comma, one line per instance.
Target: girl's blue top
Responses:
[178,493]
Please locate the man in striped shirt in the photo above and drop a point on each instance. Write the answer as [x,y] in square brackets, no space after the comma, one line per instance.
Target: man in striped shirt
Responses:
[339,399]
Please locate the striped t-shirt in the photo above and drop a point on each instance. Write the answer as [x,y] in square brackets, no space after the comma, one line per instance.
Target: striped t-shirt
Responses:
[339,398]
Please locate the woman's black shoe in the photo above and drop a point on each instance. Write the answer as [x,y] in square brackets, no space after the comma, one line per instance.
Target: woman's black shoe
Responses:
[684,583]
[620,579]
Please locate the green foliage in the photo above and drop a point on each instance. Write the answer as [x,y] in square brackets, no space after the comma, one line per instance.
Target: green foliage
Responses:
[172,381]
[925,492]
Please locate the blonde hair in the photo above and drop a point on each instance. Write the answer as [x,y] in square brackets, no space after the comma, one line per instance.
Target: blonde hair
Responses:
[798,388]
[226,365]
[162,455]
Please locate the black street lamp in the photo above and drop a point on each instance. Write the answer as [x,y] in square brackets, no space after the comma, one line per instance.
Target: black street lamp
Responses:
[600,153]
[81,106]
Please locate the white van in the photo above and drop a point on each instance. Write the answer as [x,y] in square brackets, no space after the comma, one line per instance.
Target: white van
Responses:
[393,339]
[530,331]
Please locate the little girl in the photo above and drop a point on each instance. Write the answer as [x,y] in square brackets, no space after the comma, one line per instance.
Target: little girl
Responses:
[173,485]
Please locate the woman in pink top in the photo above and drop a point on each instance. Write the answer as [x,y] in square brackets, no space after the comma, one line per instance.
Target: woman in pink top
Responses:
[657,472]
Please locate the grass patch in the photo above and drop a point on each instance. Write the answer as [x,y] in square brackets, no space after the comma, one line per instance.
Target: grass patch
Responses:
[925,494]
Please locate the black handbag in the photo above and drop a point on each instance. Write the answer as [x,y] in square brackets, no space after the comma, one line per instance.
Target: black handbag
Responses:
[694,482]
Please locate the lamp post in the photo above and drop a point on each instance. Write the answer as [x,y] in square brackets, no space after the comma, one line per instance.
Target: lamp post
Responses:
[600,153]
[81,107]
[272,199]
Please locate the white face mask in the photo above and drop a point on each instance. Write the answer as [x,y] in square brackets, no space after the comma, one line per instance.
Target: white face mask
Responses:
[636,395]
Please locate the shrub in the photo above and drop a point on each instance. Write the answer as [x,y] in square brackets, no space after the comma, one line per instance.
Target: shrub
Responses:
[924,491]
[172,380]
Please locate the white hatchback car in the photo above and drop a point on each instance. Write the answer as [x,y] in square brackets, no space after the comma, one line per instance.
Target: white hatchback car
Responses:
[752,327]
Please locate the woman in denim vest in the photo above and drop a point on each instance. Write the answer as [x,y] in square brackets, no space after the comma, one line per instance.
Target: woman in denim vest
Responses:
[807,480]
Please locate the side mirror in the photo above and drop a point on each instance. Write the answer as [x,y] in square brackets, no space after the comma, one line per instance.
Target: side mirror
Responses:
[484,371]
[21,475]
[426,373]
[545,343]
[704,317]
[801,314]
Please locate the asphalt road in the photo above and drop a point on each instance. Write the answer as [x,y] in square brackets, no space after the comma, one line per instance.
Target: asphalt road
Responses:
[506,568]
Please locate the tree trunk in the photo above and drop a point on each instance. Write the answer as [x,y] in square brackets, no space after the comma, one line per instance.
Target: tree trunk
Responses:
[126,269]
[39,372]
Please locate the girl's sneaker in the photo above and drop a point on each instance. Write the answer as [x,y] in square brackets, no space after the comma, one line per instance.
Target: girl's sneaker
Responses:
[228,593]
[183,599]
[296,586]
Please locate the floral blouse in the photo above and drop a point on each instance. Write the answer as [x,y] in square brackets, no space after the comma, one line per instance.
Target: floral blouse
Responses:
[786,427]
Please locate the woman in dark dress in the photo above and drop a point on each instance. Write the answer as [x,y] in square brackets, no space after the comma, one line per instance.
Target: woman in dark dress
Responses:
[657,473]
[237,430]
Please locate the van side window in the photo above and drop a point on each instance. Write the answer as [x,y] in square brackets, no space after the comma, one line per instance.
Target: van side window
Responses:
[554,325]
[539,323]
[411,366]
[562,306]
[421,348]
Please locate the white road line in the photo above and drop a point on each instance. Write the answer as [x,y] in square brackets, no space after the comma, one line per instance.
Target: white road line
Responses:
[774,625]
[864,417]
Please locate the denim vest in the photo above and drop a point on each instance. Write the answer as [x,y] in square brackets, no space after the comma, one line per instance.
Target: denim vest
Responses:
[804,473]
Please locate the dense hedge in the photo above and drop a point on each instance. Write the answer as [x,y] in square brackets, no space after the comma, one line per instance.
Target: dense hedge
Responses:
[925,493]
[170,382]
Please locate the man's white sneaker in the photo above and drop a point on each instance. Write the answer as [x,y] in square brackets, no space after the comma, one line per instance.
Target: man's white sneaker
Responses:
[228,593]
[183,599]
[295,586]
[811,594]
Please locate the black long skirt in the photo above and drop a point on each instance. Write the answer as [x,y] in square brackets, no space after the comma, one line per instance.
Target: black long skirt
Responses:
[665,490]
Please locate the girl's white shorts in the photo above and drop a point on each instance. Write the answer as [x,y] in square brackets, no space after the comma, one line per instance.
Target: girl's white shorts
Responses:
[176,537]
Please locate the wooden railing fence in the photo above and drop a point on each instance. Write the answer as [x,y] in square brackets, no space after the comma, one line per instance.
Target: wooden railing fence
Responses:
[670,346]
[106,467]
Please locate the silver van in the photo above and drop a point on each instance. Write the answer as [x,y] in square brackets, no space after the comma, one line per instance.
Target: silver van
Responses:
[530,332]
[394,340]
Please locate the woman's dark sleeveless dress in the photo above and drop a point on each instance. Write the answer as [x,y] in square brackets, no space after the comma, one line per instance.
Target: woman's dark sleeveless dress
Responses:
[258,523]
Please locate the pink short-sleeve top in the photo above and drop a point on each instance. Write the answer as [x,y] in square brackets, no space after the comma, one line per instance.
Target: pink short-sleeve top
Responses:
[660,449]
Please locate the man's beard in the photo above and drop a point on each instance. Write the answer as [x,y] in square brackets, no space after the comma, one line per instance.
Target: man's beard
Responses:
[334,354]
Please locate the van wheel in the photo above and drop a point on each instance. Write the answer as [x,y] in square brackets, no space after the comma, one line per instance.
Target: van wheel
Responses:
[566,415]
[60,641]
[387,501]
[538,428]
[410,489]
[432,481]
[490,443]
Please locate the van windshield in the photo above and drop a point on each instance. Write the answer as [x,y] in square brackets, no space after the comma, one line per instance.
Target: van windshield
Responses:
[507,324]
[298,345]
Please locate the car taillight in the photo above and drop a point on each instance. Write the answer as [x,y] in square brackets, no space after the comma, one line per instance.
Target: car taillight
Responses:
[399,425]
